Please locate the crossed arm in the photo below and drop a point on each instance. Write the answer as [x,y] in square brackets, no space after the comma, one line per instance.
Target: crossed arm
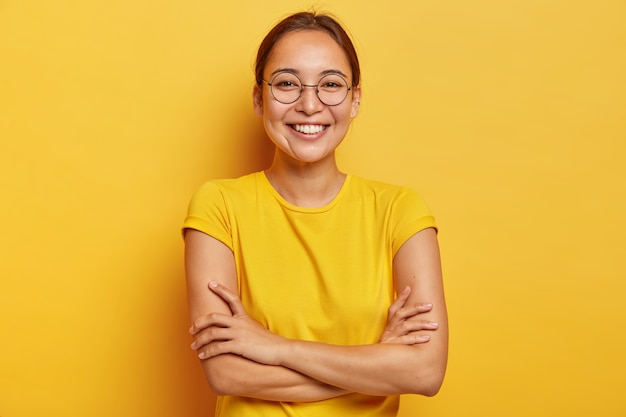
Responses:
[241,357]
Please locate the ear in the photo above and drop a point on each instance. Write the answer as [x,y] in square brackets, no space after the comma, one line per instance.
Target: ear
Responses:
[257,100]
[356,101]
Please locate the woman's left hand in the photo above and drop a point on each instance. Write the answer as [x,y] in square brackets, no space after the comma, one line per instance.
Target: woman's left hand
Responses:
[239,334]
[404,327]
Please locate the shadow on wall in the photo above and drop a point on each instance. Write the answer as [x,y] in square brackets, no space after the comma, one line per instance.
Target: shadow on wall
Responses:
[258,150]
[249,149]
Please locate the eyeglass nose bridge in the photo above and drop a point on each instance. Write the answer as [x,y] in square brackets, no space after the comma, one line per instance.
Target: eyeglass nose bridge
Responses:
[317,92]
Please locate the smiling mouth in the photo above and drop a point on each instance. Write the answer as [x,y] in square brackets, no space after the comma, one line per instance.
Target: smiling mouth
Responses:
[309,129]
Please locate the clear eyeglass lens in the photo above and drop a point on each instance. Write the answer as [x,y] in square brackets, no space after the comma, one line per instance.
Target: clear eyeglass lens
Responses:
[286,87]
[332,89]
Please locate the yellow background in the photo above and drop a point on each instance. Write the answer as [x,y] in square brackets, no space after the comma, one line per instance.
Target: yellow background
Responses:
[508,116]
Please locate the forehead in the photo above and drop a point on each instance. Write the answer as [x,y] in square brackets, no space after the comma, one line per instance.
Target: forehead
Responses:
[307,51]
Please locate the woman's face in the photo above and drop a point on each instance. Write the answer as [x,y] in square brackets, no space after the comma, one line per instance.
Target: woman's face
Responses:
[306,130]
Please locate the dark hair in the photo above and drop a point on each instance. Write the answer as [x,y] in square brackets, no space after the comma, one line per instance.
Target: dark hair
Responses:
[307,21]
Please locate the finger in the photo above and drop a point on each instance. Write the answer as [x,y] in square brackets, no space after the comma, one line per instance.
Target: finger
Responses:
[232,299]
[210,335]
[214,349]
[208,320]
[406,313]
[399,302]
[409,327]
[414,339]
[410,311]
[409,339]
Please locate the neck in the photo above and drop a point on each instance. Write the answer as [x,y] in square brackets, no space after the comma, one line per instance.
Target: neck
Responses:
[307,185]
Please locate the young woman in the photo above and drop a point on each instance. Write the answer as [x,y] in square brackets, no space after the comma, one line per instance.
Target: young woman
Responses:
[292,272]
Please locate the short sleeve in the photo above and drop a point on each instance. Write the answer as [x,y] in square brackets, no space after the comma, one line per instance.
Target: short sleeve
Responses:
[410,214]
[208,212]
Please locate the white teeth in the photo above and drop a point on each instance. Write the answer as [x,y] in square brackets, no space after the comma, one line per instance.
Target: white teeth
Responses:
[309,129]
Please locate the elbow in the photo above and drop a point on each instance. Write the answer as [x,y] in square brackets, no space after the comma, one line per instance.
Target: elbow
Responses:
[432,388]
[218,386]
[429,383]
[221,383]
[430,373]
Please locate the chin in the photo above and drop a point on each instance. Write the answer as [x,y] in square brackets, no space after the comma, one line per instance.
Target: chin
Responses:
[307,157]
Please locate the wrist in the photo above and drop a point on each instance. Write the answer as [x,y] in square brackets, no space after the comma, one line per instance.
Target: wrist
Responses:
[286,352]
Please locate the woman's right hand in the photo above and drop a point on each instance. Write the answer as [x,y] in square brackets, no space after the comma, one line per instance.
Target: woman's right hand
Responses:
[403,325]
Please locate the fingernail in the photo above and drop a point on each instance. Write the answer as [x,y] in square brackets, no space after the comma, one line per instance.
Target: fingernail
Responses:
[193,346]
[201,355]
[213,284]
[433,325]
[424,338]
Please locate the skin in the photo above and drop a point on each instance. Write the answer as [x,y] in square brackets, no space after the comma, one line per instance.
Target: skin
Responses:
[241,357]
[304,169]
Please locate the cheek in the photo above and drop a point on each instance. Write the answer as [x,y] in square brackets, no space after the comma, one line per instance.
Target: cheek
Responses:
[345,114]
[272,111]
[272,120]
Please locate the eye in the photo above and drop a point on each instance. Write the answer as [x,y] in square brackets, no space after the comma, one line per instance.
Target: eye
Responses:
[286,82]
[332,83]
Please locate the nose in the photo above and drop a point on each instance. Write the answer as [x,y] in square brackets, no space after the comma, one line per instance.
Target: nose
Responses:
[309,102]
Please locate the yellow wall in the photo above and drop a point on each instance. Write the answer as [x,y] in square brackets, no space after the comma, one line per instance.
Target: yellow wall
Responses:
[508,116]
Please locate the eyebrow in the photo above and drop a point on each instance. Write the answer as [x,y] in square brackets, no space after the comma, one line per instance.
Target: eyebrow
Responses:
[297,72]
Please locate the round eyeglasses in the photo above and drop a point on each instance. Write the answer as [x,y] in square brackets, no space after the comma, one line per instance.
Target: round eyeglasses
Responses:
[286,87]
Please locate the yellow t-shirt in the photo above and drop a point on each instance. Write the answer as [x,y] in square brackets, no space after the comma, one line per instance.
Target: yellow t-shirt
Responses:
[321,274]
